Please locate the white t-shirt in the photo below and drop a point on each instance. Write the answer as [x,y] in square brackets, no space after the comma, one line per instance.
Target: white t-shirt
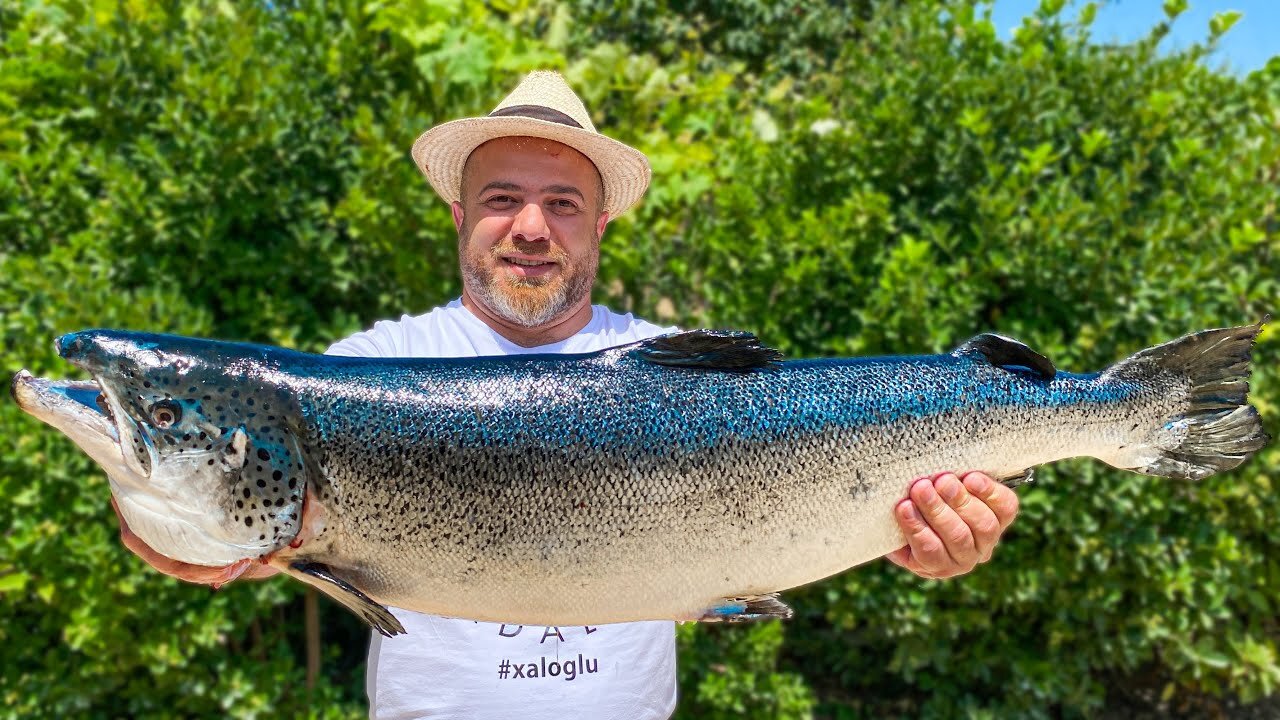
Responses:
[451,668]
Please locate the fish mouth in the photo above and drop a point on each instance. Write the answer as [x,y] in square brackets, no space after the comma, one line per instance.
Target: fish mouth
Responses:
[80,409]
[54,400]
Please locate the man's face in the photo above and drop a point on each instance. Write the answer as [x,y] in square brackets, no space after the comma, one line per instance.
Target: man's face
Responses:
[529,227]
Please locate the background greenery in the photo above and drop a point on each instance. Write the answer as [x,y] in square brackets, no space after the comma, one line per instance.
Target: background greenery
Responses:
[844,178]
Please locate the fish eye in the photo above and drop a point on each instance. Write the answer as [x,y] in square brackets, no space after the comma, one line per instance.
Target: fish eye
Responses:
[165,414]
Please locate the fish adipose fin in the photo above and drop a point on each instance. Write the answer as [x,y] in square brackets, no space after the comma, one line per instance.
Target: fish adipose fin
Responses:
[1007,353]
[320,577]
[710,349]
[747,608]
[1217,429]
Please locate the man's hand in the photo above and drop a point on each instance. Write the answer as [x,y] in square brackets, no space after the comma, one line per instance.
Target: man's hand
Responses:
[199,574]
[952,525]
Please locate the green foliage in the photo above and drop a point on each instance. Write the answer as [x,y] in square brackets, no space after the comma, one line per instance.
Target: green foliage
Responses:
[870,177]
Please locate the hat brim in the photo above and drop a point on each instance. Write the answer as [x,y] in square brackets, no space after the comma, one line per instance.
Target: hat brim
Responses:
[442,151]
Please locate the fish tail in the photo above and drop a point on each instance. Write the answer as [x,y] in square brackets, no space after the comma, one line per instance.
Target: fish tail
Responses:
[1213,427]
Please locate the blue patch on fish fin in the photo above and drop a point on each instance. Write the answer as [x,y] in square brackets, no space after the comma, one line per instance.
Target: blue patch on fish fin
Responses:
[747,609]
[319,576]
[709,349]
[1009,354]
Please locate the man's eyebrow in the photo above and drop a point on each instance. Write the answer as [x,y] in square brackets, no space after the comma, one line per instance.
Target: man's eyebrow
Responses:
[516,187]
[499,185]
[564,190]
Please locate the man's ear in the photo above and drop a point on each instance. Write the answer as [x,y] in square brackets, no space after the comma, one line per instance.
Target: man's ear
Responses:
[601,222]
[456,208]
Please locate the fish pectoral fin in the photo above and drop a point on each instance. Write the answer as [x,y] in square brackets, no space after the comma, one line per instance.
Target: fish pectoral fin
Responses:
[1008,353]
[747,608]
[708,349]
[1017,479]
[320,577]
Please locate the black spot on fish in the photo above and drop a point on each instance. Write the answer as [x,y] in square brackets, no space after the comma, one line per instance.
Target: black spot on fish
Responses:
[249,402]
[263,454]
[277,475]
[247,493]
[210,459]
[248,522]
[262,483]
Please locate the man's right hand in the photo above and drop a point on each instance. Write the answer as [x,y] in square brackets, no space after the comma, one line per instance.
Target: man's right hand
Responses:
[199,574]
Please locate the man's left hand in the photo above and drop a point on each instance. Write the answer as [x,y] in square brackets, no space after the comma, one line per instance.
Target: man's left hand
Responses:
[952,524]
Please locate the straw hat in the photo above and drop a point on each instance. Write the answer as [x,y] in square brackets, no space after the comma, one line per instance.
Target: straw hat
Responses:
[544,106]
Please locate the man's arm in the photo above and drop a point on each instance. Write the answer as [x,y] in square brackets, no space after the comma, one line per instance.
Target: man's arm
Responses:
[952,524]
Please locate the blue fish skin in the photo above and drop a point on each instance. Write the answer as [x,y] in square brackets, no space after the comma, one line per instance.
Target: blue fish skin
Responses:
[616,402]
[649,481]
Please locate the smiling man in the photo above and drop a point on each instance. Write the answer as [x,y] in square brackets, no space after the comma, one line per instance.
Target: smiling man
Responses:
[529,289]
[532,187]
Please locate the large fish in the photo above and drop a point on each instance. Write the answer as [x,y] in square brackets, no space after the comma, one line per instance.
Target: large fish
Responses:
[687,477]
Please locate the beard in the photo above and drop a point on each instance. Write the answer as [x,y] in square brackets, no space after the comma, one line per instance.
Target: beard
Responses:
[527,302]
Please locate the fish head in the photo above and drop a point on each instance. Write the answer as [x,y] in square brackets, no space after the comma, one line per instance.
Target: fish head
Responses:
[201,452]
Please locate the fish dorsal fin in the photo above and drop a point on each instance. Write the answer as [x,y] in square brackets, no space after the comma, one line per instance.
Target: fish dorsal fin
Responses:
[709,349]
[1007,353]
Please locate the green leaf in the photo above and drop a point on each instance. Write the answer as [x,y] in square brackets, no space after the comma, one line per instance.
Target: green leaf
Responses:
[1221,22]
[13,581]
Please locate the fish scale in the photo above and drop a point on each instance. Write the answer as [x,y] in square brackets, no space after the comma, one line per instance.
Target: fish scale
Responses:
[691,476]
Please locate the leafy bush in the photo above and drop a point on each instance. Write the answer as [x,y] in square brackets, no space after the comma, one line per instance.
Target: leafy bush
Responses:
[888,178]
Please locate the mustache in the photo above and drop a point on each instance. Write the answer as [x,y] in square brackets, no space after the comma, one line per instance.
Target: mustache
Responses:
[537,249]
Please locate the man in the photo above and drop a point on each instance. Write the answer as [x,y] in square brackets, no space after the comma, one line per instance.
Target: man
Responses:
[533,187]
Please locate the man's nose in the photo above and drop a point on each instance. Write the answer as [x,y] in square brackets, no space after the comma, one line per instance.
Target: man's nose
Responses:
[530,225]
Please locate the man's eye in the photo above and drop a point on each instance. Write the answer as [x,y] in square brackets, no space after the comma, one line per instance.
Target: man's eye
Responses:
[500,200]
[565,205]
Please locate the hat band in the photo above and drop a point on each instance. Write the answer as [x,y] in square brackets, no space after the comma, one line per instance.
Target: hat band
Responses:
[537,112]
